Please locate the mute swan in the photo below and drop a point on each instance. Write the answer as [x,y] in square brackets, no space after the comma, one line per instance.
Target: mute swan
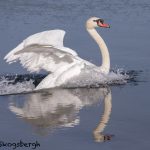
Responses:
[45,51]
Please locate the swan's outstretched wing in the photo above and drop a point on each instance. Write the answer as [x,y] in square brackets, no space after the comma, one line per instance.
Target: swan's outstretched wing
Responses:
[43,50]
[37,57]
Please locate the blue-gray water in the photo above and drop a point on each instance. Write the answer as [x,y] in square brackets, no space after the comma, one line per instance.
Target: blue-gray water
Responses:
[50,117]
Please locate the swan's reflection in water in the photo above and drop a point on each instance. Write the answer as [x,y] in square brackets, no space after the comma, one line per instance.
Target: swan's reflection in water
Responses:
[98,132]
[56,108]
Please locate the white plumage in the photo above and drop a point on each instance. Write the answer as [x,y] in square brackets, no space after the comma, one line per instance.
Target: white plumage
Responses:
[45,51]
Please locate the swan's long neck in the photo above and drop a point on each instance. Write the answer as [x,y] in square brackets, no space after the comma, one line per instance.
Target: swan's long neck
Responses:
[104,50]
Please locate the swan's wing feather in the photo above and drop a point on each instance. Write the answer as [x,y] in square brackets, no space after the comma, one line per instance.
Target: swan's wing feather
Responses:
[36,48]
[49,58]
[51,37]
[42,50]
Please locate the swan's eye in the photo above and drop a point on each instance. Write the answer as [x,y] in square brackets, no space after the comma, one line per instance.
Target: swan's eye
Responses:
[99,20]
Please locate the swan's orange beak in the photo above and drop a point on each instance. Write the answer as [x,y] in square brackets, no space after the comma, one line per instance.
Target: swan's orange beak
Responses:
[102,24]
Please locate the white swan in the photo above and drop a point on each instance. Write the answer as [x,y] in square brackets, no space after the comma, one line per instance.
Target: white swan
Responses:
[45,51]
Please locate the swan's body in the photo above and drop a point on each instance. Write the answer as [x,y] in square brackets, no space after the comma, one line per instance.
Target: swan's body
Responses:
[46,51]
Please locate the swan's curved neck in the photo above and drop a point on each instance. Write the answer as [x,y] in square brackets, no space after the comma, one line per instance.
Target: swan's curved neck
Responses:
[103,48]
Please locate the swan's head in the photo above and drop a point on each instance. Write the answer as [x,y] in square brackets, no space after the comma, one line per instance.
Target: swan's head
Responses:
[94,22]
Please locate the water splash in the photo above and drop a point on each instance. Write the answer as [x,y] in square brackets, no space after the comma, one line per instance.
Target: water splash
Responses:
[15,84]
[93,79]
[9,86]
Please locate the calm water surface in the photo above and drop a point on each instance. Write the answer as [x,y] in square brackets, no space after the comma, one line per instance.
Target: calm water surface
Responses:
[80,118]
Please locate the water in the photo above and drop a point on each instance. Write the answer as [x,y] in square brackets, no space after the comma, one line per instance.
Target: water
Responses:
[68,118]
